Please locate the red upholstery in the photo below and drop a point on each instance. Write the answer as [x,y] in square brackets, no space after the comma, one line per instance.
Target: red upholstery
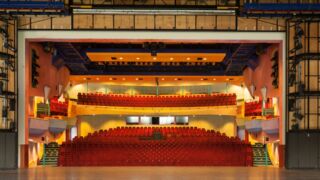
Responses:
[58,108]
[132,146]
[253,108]
[157,101]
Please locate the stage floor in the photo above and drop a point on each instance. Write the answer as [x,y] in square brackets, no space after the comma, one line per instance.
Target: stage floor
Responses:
[153,173]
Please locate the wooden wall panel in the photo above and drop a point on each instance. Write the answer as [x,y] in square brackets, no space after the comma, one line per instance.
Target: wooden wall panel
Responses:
[144,21]
[151,22]
[103,21]
[165,22]
[206,22]
[123,2]
[226,22]
[43,22]
[267,24]
[281,24]
[63,22]
[245,24]
[82,21]
[123,22]
[24,22]
[164,2]
[185,22]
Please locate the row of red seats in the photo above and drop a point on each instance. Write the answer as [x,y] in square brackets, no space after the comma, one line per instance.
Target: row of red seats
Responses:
[99,149]
[253,108]
[58,108]
[148,131]
[217,99]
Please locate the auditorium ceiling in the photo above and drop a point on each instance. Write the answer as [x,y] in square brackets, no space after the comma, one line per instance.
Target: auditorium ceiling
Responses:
[155,58]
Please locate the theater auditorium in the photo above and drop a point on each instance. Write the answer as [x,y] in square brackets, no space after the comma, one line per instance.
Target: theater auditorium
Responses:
[148,89]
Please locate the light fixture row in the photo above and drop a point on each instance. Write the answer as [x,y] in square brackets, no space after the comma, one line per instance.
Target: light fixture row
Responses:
[139,79]
[155,58]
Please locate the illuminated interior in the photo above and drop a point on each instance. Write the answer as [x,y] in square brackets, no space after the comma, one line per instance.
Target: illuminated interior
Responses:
[82,93]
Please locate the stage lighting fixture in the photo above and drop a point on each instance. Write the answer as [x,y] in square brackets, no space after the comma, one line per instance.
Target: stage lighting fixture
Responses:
[291,104]
[299,31]
[4,32]
[298,116]
[301,88]
[6,56]
[291,79]
[7,45]
[275,83]
[274,74]
[4,111]
[1,87]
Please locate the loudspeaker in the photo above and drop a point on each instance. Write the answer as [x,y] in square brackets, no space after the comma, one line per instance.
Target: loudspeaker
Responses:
[298,116]
[155,120]
[4,112]
[12,105]
[301,88]
[1,87]
[291,104]
[12,125]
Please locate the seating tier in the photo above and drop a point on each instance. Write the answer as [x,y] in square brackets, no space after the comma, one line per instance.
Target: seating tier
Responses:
[217,99]
[136,146]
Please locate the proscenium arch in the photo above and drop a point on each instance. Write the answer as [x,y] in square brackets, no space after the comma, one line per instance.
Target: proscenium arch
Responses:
[25,36]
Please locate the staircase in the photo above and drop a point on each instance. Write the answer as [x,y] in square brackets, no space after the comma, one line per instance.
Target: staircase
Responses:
[51,154]
[260,155]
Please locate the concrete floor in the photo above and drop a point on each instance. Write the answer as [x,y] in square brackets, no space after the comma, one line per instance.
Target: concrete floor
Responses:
[154,173]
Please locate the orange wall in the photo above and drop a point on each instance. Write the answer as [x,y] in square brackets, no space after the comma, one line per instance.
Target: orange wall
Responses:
[49,75]
[261,77]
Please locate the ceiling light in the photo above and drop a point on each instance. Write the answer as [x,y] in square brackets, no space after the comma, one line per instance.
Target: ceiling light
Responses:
[154,58]
[188,58]
[120,58]
[137,58]
[204,58]
[171,58]
[214,79]
[162,79]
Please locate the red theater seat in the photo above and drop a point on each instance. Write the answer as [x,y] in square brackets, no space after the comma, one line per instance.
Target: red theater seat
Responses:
[157,101]
[137,146]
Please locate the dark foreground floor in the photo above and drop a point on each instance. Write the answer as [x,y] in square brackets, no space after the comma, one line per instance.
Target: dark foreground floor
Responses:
[163,173]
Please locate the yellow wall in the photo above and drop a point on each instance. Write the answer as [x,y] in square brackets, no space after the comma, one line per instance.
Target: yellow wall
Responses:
[89,124]
[224,124]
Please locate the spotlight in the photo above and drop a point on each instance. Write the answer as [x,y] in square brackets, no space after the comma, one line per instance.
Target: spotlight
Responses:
[299,31]
[291,79]
[4,32]
[4,111]
[7,45]
[274,74]
[298,116]
[301,88]
[291,104]
[275,83]
[1,87]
